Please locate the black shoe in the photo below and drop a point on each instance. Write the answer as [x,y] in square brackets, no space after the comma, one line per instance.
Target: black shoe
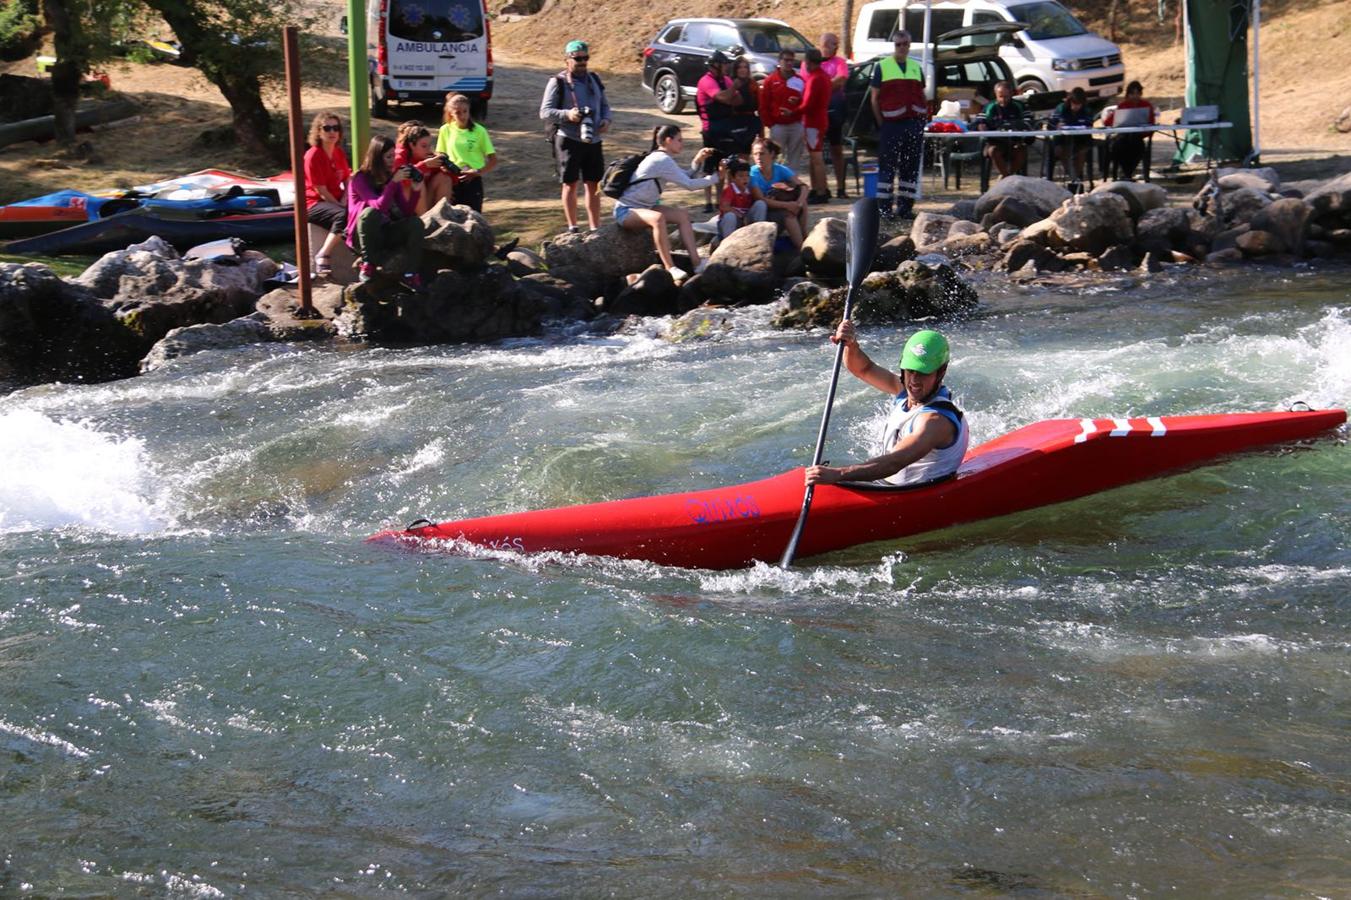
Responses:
[817,199]
[841,195]
[708,208]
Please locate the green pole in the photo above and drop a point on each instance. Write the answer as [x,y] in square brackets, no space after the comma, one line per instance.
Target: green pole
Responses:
[358,83]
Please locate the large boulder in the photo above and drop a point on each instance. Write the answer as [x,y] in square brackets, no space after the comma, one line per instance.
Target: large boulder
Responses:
[915,290]
[1265,180]
[1039,194]
[1166,226]
[455,237]
[1238,207]
[960,228]
[744,268]
[1012,211]
[597,260]
[52,330]
[1288,220]
[1260,243]
[153,290]
[930,228]
[1331,201]
[825,249]
[894,252]
[181,342]
[653,293]
[1140,196]
[1094,222]
[455,307]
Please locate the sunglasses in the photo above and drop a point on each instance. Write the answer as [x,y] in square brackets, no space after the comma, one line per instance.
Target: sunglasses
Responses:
[337,128]
[580,58]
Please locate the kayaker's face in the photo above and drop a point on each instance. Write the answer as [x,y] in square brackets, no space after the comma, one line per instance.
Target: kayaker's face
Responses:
[918,386]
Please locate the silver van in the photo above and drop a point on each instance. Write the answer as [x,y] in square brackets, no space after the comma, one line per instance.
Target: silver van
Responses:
[1053,51]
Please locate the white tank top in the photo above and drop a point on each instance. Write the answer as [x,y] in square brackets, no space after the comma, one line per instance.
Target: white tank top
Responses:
[904,419]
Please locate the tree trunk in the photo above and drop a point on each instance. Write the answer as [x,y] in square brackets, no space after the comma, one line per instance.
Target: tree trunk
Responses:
[1111,21]
[252,123]
[67,71]
[847,30]
[240,86]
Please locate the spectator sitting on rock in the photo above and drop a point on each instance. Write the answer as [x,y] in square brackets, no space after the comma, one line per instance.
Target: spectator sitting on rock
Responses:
[413,146]
[779,188]
[640,206]
[326,174]
[738,205]
[382,229]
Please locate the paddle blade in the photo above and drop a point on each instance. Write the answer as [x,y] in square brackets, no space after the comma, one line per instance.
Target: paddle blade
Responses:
[864,220]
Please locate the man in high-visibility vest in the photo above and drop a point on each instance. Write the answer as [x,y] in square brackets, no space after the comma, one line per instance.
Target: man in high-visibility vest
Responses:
[899,106]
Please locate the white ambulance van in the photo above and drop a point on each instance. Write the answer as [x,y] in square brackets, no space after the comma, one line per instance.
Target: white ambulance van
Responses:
[1054,52]
[420,50]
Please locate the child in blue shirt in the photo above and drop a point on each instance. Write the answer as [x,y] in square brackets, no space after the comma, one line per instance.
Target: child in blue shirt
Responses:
[781,191]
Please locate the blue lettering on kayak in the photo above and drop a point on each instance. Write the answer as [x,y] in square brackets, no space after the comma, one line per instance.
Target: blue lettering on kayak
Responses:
[721,509]
[419,47]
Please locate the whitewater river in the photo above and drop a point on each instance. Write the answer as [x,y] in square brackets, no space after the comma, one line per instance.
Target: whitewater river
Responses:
[210,686]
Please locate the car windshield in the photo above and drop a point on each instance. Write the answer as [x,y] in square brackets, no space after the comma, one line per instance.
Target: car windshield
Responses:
[773,38]
[436,21]
[1046,20]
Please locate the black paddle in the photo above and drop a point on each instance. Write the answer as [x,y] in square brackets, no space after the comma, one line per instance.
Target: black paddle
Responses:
[863,219]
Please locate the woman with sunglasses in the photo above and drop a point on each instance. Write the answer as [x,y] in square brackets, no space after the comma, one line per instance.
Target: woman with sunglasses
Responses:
[640,208]
[326,174]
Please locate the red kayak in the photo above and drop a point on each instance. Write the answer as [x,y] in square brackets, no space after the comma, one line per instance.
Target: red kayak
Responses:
[726,528]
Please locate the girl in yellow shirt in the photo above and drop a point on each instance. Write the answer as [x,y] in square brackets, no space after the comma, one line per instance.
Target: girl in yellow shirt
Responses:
[467,144]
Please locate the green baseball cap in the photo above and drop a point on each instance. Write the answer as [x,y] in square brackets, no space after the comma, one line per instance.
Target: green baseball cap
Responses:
[576,47]
[926,352]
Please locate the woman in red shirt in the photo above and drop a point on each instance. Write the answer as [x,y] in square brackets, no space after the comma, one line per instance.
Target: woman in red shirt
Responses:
[326,174]
[1128,149]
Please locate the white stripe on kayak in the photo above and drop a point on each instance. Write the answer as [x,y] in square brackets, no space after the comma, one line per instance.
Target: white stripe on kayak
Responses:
[1123,427]
[1088,428]
[1159,428]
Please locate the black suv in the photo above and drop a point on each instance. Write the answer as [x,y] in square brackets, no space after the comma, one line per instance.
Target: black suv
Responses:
[675,60]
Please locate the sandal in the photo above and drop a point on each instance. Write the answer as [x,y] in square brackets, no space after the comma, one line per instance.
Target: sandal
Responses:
[322,267]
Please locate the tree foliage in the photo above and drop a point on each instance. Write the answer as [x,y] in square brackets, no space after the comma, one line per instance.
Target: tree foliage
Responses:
[19,28]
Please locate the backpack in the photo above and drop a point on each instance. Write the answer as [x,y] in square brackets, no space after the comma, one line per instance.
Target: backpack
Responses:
[618,176]
[551,127]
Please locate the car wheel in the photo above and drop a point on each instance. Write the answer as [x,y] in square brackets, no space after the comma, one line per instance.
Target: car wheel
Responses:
[1031,86]
[667,93]
[379,102]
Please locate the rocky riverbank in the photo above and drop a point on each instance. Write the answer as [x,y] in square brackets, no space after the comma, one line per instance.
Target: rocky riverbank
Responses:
[137,309]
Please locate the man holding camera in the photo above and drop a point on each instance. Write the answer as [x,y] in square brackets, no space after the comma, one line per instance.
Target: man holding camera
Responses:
[578,114]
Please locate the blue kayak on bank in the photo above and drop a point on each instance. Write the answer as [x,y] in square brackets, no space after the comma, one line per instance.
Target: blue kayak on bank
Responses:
[203,206]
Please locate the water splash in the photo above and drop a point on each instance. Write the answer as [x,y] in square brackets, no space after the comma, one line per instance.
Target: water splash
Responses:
[62,473]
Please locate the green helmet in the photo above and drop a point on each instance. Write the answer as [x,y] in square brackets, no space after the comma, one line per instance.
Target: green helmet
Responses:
[926,352]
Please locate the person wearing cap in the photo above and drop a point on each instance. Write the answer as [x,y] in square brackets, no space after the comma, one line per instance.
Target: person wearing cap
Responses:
[901,110]
[925,435]
[578,114]
[781,108]
[816,90]
[716,99]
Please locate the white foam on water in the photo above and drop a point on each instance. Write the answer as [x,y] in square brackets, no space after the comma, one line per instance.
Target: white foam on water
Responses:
[62,473]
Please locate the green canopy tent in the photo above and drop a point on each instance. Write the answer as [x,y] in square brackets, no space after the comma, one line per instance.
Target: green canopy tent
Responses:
[1217,75]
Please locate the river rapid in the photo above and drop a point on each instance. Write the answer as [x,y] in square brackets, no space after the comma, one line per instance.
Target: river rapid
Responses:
[210,686]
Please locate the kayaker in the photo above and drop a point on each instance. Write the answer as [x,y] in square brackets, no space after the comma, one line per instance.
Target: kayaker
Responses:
[925,435]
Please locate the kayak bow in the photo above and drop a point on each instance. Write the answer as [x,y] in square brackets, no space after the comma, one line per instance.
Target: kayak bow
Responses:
[731,527]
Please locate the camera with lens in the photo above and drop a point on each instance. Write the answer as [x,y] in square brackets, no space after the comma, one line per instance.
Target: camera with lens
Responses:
[588,128]
[413,174]
[446,164]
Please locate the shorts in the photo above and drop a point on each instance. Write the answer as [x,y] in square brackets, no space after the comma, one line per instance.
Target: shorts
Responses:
[835,130]
[721,138]
[578,161]
[621,213]
[332,216]
[814,139]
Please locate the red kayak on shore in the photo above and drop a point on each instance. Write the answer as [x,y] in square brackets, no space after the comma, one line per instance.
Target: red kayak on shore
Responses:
[725,528]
